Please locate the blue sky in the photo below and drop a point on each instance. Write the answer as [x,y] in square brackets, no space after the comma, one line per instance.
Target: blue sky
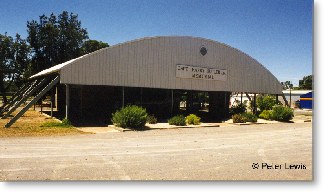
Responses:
[277,33]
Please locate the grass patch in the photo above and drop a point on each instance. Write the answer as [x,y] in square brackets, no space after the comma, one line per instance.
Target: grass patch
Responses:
[56,124]
[32,123]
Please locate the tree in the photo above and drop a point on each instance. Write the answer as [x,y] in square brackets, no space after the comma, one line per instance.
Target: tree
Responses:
[54,40]
[93,45]
[265,102]
[306,83]
[13,62]
[287,85]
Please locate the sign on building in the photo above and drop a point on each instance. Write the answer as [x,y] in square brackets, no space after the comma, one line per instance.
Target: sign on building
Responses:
[192,72]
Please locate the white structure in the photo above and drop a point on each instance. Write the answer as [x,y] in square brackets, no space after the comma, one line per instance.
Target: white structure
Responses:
[156,63]
[161,67]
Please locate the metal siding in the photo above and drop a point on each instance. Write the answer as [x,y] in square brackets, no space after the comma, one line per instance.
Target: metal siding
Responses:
[151,62]
[138,59]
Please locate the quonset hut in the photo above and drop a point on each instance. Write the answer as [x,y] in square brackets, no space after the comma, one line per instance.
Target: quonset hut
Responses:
[153,72]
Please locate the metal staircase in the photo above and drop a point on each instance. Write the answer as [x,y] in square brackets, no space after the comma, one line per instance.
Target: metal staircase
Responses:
[38,87]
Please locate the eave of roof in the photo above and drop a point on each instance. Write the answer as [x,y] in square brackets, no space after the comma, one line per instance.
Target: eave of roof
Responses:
[55,68]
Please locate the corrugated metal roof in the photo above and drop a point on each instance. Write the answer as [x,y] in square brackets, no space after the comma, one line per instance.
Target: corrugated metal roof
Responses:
[152,63]
[55,68]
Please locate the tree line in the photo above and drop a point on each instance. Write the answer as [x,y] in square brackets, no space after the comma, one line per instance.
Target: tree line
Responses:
[51,40]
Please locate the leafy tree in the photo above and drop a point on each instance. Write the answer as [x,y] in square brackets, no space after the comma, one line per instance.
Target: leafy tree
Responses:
[265,102]
[54,40]
[93,45]
[287,85]
[13,62]
[306,83]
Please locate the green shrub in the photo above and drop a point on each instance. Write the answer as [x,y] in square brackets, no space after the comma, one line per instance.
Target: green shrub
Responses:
[244,117]
[192,119]
[249,117]
[237,108]
[265,102]
[178,120]
[151,119]
[281,113]
[133,117]
[266,114]
[238,118]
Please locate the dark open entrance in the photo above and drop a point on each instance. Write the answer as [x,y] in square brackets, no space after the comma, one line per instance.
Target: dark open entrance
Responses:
[94,105]
[210,106]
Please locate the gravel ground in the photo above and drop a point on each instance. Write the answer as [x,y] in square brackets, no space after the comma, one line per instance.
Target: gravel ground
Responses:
[213,153]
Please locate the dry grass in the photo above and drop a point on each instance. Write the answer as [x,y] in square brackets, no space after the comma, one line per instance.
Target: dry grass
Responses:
[31,124]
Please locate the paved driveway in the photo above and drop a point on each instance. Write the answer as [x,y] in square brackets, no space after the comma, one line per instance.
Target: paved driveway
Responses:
[215,153]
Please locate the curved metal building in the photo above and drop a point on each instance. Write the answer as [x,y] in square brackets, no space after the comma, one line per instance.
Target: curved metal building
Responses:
[156,63]
[153,72]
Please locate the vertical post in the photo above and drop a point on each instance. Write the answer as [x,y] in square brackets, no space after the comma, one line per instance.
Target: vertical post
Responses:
[241,97]
[254,104]
[81,102]
[41,105]
[123,102]
[52,93]
[67,100]
[277,99]
[289,97]
[56,94]
[171,102]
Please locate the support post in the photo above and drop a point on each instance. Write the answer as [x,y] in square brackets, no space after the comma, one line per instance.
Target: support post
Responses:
[171,102]
[41,101]
[289,97]
[241,97]
[254,104]
[52,94]
[123,101]
[23,87]
[277,99]
[56,95]
[81,102]
[67,100]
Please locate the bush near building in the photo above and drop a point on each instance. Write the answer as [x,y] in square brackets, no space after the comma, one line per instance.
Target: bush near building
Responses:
[281,113]
[133,117]
[244,117]
[249,117]
[265,102]
[192,119]
[238,118]
[266,114]
[178,120]
[278,113]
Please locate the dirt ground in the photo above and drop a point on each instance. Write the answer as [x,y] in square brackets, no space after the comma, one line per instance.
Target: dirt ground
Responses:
[247,152]
[30,124]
